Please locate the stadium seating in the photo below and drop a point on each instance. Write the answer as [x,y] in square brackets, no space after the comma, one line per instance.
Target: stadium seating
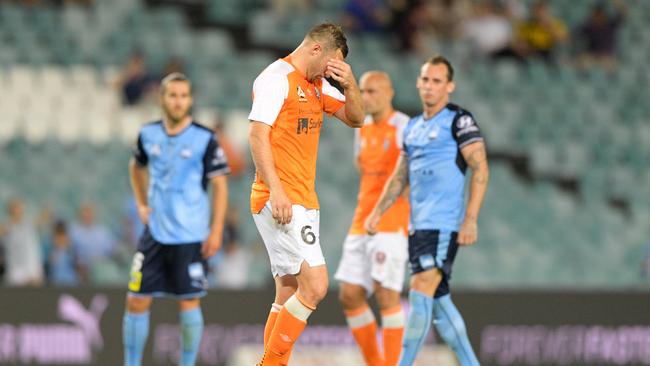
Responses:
[62,119]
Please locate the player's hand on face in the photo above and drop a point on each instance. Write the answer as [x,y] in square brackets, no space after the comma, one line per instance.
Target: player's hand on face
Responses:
[341,72]
[281,207]
[468,232]
[371,223]
[144,212]
[211,245]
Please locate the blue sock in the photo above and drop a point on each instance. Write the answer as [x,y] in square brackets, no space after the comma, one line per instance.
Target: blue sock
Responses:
[135,329]
[191,332]
[451,328]
[417,326]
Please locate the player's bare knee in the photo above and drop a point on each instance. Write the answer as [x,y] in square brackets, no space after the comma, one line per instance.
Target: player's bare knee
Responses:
[351,297]
[387,298]
[283,294]
[186,305]
[426,282]
[137,305]
[314,293]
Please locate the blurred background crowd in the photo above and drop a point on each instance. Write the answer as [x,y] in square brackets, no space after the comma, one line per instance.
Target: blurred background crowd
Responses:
[560,89]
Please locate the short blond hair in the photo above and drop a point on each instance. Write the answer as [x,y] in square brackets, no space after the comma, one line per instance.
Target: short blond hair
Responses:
[174,76]
[332,34]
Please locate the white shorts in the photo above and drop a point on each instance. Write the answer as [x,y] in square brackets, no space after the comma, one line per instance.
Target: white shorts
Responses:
[289,245]
[367,258]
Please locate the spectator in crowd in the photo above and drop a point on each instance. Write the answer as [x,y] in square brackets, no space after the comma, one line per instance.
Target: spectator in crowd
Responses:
[284,8]
[490,31]
[446,17]
[542,33]
[23,263]
[174,64]
[366,16]
[410,21]
[419,24]
[232,267]
[136,81]
[62,261]
[91,241]
[598,35]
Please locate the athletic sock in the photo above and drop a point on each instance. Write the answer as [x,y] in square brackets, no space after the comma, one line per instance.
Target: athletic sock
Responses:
[451,328]
[417,326]
[191,332]
[135,329]
[392,323]
[363,325]
[291,321]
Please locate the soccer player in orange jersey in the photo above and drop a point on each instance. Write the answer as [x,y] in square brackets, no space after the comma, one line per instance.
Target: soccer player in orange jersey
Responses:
[289,98]
[376,264]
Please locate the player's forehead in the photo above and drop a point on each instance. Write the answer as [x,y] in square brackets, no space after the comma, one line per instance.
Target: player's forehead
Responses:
[177,86]
[368,83]
[433,71]
[334,53]
[373,81]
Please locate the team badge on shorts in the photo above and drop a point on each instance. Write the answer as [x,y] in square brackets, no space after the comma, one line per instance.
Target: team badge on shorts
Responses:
[427,261]
[197,275]
[380,257]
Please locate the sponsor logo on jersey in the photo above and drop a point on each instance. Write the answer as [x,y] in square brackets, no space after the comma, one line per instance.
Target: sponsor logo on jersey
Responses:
[307,124]
[465,125]
[464,122]
[303,126]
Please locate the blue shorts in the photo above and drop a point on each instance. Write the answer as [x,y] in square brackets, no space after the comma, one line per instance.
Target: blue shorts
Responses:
[164,270]
[430,249]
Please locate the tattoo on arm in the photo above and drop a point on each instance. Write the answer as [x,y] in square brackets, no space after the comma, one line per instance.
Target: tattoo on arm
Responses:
[476,160]
[395,186]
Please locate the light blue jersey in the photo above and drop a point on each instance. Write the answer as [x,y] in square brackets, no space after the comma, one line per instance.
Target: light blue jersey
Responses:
[436,167]
[180,167]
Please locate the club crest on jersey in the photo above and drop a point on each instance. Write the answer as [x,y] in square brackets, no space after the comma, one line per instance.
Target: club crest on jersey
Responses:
[434,132]
[186,153]
[380,257]
[155,150]
[301,95]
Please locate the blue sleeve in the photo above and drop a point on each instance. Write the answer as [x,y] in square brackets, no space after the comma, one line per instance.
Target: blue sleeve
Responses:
[405,133]
[139,154]
[214,161]
[465,130]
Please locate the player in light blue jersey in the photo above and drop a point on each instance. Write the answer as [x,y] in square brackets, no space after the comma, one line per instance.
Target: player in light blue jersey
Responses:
[174,163]
[438,147]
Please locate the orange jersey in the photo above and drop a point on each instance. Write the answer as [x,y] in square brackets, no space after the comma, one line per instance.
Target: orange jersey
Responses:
[377,148]
[293,107]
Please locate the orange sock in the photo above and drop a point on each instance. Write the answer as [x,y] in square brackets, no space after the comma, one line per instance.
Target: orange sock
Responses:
[290,323]
[392,322]
[363,325]
[270,321]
